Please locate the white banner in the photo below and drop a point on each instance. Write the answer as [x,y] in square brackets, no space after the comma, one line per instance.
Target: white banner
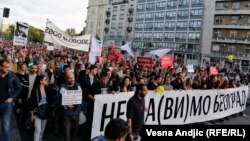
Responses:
[172,107]
[55,35]
[71,97]
[21,34]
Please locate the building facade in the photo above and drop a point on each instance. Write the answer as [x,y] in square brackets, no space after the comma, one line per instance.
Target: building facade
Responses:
[96,17]
[173,24]
[119,21]
[231,32]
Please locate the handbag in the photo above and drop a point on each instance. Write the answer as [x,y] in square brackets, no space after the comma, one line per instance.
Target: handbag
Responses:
[43,111]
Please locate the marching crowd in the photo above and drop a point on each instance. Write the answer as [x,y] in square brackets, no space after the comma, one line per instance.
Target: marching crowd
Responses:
[34,79]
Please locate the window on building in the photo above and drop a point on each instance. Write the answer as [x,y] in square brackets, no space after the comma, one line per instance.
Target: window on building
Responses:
[218,19]
[169,35]
[182,24]
[112,33]
[149,25]
[194,36]
[158,25]
[219,6]
[236,6]
[234,19]
[150,5]
[141,7]
[196,1]
[113,25]
[172,3]
[114,8]
[157,35]
[170,24]
[140,16]
[217,34]
[248,19]
[231,49]
[195,24]
[196,12]
[122,7]
[183,13]
[114,17]
[149,15]
[161,4]
[139,26]
[160,14]
[248,51]
[120,25]
[181,35]
[171,14]
[233,33]
[184,2]
[121,16]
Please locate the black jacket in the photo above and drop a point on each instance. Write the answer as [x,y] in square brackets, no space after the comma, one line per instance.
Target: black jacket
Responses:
[86,86]
[33,103]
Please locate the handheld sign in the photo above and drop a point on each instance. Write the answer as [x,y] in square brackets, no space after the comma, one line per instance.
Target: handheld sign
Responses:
[167,61]
[72,97]
[144,62]
[213,71]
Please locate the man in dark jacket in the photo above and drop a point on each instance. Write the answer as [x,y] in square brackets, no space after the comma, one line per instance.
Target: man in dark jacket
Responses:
[10,89]
[178,83]
[70,113]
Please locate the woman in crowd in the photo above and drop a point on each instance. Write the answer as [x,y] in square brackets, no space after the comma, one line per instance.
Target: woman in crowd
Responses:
[40,95]
[125,84]
[188,85]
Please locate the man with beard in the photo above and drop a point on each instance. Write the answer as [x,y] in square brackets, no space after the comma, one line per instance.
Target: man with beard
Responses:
[135,111]
[70,113]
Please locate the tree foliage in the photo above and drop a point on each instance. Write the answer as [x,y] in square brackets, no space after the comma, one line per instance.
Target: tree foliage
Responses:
[71,31]
[35,35]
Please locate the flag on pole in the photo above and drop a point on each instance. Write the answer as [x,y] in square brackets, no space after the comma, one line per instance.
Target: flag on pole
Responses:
[96,50]
[127,48]
[159,52]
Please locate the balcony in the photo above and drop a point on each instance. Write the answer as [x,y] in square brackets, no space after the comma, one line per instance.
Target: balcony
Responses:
[232,26]
[107,21]
[131,10]
[106,30]
[232,40]
[108,13]
[130,19]
[232,12]
[129,29]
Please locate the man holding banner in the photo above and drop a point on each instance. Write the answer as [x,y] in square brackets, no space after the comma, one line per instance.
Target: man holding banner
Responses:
[135,111]
[70,100]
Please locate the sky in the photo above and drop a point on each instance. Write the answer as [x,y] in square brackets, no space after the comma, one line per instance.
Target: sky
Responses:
[64,13]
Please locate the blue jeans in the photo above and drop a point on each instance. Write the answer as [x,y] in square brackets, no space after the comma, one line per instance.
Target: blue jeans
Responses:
[5,116]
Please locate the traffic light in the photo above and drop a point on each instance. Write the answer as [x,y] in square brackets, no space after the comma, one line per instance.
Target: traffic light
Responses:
[6,12]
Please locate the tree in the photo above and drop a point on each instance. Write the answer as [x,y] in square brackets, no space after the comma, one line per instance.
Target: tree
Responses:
[71,31]
[35,35]
[83,31]
[9,33]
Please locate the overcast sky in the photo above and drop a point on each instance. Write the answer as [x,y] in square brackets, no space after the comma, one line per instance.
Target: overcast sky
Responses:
[64,13]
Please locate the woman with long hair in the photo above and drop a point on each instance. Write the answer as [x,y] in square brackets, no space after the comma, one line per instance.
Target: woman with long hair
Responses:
[40,95]
[125,84]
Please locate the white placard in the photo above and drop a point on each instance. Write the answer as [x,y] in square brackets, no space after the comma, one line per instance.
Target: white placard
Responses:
[72,97]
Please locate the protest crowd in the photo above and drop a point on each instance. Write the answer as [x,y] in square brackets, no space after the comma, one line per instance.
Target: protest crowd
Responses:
[32,76]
